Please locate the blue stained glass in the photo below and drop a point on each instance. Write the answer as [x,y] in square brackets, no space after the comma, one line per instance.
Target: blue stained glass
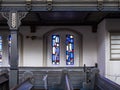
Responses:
[67,52]
[69,49]
[0,48]
[71,55]
[56,49]
[54,36]
[72,41]
[9,45]
[53,57]
[9,40]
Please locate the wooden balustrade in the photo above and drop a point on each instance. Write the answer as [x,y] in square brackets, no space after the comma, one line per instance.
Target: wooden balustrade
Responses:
[60,5]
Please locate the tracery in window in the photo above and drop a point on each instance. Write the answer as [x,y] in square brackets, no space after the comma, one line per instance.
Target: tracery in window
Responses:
[55,49]
[69,49]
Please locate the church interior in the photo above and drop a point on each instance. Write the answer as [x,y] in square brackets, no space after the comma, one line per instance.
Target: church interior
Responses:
[59,45]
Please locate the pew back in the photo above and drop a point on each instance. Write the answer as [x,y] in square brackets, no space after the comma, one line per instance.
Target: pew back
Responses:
[64,84]
[4,82]
[76,75]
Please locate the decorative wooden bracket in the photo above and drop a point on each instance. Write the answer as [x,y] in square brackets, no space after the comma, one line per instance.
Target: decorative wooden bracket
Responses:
[14,18]
[49,5]
[119,4]
[100,6]
[28,5]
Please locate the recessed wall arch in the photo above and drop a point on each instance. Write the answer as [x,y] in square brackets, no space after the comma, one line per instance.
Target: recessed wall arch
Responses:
[62,32]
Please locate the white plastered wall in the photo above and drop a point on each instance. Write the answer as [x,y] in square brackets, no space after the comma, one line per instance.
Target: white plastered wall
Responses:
[113,67]
[108,68]
[101,57]
[33,49]
[5,60]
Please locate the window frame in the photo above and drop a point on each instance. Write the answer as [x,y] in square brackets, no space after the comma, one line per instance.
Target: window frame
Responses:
[55,62]
[67,51]
[115,34]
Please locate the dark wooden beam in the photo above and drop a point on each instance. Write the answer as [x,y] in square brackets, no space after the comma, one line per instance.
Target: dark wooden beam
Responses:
[38,16]
[103,17]
[87,16]
[33,28]
[94,28]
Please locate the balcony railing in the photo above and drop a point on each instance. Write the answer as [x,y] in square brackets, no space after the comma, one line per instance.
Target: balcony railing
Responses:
[60,5]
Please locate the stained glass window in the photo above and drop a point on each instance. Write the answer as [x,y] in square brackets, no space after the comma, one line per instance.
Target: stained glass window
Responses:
[9,45]
[55,49]
[69,49]
[0,49]
[9,40]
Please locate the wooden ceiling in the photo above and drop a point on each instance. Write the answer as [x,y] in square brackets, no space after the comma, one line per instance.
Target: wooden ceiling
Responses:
[64,18]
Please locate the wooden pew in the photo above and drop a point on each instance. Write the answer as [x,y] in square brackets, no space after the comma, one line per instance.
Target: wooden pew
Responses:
[65,83]
[103,83]
[25,85]
[77,76]
[4,82]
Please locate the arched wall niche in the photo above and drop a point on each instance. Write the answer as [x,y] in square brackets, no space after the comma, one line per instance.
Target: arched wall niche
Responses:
[47,48]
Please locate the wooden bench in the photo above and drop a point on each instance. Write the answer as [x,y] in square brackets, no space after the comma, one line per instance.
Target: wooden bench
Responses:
[4,82]
[25,85]
[77,75]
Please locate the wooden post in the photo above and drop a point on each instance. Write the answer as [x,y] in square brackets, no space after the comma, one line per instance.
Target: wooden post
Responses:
[14,20]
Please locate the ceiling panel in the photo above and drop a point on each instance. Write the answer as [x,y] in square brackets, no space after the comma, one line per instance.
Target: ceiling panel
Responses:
[64,18]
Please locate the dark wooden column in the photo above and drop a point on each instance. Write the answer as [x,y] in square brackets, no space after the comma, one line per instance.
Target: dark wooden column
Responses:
[13,78]
[14,21]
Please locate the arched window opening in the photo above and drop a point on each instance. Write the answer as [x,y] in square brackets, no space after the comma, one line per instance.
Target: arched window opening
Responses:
[62,48]
[69,49]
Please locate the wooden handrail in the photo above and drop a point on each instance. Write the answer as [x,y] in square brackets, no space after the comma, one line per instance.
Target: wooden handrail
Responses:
[68,83]
[104,83]
[21,84]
